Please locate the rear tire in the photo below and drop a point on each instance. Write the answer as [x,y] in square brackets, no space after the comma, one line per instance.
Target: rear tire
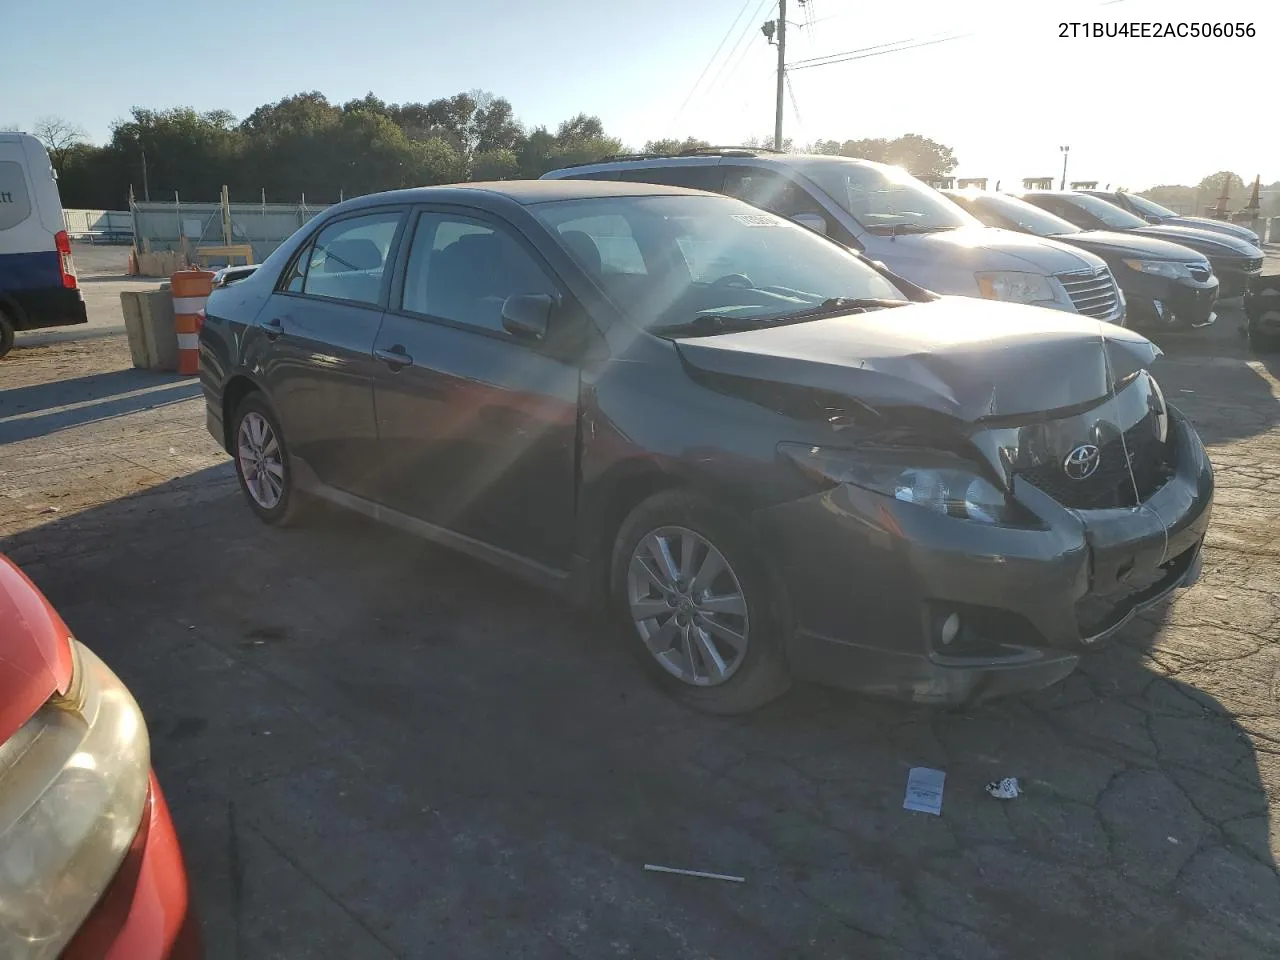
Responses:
[6,333]
[697,606]
[263,465]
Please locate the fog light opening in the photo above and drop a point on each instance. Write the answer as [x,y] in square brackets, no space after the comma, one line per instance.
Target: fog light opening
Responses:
[950,629]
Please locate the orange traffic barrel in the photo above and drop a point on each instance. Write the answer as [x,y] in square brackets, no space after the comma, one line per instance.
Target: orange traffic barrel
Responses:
[191,288]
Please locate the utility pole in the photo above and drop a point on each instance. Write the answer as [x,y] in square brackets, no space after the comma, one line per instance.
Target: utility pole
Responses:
[782,73]
[146,190]
[1065,151]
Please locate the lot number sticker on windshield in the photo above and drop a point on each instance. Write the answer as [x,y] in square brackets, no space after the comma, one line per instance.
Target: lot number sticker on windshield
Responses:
[754,220]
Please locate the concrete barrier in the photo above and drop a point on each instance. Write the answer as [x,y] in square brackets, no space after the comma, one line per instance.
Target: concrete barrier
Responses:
[149,323]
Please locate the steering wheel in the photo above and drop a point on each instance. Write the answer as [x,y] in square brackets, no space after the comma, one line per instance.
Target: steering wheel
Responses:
[739,281]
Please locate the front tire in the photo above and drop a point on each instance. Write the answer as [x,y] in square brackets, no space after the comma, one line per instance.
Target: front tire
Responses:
[697,606]
[6,333]
[262,463]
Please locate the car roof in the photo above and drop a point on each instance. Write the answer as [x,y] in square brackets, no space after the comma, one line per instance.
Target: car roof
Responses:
[523,192]
[795,161]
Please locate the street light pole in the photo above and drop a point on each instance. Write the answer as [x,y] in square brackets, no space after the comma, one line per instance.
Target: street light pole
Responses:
[1065,151]
[782,73]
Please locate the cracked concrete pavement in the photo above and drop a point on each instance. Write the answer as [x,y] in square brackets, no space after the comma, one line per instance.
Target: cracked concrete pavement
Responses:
[375,748]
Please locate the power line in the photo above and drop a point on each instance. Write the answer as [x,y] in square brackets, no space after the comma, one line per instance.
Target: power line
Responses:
[879,49]
[895,46]
[739,49]
[711,60]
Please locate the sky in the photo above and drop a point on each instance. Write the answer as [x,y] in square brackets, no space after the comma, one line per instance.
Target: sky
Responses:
[1005,96]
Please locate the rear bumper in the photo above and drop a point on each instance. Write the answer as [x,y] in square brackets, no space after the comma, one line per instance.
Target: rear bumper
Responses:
[872,580]
[48,307]
[145,914]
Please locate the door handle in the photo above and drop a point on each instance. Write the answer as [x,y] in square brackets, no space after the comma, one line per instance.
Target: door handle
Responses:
[273,328]
[394,357]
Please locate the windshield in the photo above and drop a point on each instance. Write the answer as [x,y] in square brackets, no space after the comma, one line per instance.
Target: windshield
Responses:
[1149,207]
[999,210]
[666,261]
[1108,213]
[886,199]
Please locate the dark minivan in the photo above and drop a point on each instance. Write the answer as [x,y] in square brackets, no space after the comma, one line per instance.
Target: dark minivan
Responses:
[763,455]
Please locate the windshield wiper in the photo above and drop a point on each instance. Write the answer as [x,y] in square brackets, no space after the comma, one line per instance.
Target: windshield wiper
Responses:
[899,229]
[837,305]
[705,324]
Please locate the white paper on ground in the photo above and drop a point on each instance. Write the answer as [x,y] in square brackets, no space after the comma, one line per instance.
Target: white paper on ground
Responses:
[924,790]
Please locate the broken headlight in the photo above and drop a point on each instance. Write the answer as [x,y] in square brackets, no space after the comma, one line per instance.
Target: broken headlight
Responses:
[936,481]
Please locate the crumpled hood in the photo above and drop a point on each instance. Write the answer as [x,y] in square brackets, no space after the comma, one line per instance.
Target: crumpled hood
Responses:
[966,358]
[990,248]
[35,654]
[1129,244]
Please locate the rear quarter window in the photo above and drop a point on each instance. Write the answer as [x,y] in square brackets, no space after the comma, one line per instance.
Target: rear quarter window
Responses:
[15,201]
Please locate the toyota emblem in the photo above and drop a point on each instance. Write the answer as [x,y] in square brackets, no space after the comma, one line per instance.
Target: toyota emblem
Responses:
[1082,462]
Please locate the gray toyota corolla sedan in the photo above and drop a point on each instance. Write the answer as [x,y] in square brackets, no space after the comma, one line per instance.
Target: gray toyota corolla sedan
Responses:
[764,456]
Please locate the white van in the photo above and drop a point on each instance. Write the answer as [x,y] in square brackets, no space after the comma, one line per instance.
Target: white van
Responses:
[38,286]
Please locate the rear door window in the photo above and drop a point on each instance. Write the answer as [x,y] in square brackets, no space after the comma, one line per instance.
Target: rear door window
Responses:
[15,202]
[349,257]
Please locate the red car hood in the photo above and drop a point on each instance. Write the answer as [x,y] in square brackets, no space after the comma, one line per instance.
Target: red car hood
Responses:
[35,649]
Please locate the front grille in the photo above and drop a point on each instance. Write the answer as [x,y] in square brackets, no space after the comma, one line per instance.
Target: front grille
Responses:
[1093,293]
[1250,265]
[1200,272]
[1111,484]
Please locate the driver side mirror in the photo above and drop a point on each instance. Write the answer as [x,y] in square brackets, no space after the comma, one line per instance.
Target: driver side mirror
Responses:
[527,315]
[812,221]
[1151,218]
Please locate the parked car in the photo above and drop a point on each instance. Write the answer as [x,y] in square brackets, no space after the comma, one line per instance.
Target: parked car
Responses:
[1262,312]
[1234,261]
[1153,212]
[38,284]
[891,217]
[762,456]
[1165,285]
[91,864]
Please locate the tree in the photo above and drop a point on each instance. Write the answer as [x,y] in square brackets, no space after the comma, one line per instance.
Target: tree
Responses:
[495,165]
[919,156]
[1213,183]
[671,147]
[59,137]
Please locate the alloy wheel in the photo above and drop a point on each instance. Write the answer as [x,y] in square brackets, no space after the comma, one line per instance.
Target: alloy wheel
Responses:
[688,606]
[261,463]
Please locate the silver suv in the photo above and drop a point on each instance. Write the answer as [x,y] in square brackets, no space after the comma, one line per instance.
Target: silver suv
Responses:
[889,216]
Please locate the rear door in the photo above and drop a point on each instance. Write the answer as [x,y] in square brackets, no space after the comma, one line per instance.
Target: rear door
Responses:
[477,428]
[321,322]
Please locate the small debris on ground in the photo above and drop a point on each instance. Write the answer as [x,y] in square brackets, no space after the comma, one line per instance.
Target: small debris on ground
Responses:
[1006,789]
[924,790]
[655,868]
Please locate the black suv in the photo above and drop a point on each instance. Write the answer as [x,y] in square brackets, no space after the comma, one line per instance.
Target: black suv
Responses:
[764,456]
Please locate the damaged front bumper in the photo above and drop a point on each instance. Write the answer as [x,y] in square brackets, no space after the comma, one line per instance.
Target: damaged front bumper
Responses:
[890,598]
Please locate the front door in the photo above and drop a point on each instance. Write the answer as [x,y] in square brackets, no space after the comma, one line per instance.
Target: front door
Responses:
[322,321]
[477,427]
